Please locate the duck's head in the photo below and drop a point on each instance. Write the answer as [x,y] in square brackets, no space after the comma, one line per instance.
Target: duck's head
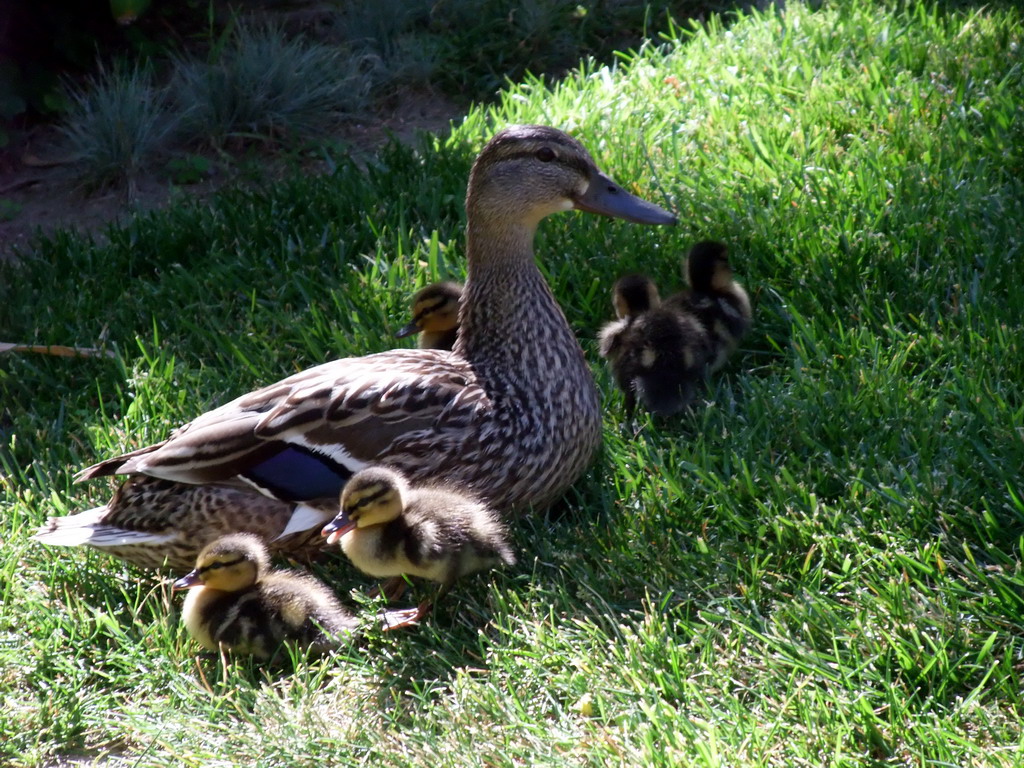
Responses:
[372,496]
[634,294]
[527,172]
[229,564]
[707,266]
[435,309]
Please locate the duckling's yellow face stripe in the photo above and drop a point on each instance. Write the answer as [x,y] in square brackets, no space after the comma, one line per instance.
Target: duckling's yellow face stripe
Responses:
[375,504]
[230,573]
[438,312]
[359,500]
[217,564]
[427,307]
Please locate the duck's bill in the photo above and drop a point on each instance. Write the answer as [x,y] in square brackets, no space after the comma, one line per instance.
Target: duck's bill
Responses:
[407,330]
[606,197]
[188,580]
[337,528]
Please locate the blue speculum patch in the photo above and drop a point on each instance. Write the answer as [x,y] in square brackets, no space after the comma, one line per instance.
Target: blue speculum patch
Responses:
[297,474]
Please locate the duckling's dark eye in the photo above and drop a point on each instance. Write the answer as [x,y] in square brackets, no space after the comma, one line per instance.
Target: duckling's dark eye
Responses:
[545,154]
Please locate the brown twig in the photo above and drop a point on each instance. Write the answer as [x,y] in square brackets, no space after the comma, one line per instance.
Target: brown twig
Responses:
[57,350]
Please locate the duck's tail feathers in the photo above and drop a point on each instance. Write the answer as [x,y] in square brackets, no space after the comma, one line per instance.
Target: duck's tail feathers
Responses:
[86,528]
[109,467]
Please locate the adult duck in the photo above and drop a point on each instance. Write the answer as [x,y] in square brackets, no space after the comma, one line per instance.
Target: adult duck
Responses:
[510,415]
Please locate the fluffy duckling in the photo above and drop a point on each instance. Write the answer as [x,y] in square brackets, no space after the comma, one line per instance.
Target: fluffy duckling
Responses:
[435,316]
[632,295]
[657,353]
[715,299]
[388,529]
[238,603]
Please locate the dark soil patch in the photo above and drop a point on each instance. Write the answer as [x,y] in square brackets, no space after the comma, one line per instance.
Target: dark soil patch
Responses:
[36,198]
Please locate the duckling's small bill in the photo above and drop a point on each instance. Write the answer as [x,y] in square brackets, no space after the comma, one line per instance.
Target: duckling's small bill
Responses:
[337,528]
[192,579]
[407,330]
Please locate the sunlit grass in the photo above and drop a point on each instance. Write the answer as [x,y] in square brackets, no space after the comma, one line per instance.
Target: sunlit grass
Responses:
[820,567]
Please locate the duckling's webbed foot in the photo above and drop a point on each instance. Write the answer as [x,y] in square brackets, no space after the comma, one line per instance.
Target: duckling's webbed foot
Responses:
[406,616]
[392,589]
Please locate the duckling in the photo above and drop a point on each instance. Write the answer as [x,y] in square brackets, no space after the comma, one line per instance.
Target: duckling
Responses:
[238,603]
[715,299]
[435,316]
[388,529]
[656,352]
[632,295]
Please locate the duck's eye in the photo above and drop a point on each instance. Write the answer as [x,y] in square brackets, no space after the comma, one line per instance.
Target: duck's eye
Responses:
[545,154]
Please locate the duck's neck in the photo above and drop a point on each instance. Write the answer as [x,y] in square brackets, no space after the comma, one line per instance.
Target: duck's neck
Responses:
[510,324]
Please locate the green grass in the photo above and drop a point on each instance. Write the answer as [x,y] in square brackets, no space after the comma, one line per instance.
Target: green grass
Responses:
[821,567]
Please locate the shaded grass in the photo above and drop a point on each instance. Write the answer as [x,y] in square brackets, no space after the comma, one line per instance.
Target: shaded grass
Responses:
[286,87]
[260,84]
[117,124]
[821,567]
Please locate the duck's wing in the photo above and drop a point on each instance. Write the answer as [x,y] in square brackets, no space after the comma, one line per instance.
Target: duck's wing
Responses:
[303,437]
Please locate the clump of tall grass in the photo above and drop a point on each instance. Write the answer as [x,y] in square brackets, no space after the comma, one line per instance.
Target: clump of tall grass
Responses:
[258,83]
[400,34]
[118,123]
